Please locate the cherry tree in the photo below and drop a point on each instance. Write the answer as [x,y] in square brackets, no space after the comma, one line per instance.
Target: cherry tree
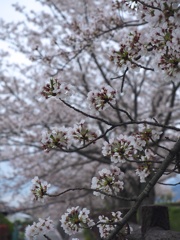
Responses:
[108,74]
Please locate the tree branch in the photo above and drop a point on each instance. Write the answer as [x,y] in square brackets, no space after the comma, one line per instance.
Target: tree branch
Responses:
[85,114]
[147,189]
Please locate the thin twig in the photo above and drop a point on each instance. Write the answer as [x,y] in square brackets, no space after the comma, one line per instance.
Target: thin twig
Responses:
[141,66]
[85,114]
[169,184]
[150,123]
[124,75]
[90,190]
[46,237]
[148,6]
[122,110]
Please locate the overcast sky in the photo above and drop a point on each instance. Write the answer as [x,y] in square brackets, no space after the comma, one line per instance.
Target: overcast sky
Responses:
[8,13]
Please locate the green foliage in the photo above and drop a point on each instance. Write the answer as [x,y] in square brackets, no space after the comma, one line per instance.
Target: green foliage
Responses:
[20,227]
[165,198]
[174,217]
[4,220]
[88,235]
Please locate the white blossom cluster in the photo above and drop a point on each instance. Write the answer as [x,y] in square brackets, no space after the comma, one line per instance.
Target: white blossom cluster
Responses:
[131,4]
[119,149]
[40,228]
[142,173]
[74,220]
[126,148]
[64,137]
[146,133]
[81,133]
[162,42]
[98,99]
[57,89]
[57,138]
[108,181]
[129,51]
[148,156]
[106,225]
[39,189]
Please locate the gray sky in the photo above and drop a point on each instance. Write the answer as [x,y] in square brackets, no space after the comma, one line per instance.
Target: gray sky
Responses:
[8,13]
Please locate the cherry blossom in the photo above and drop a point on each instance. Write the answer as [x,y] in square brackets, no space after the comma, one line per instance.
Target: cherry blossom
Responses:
[39,189]
[82,134]
[104,228]
[132,4]
[119,149]
[142,173]
[129,51]
[74,220]
[148,156]
[108,181]
[57,89]
[40,228]
[57,138]
[147,133]
[163,18]
[98,100]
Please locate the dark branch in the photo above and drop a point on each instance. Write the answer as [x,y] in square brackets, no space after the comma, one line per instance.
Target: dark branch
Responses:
[147,189]
[90,190]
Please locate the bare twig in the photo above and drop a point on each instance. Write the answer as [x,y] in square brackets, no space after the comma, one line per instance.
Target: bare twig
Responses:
[90,190]
[85,114]
[124,75]
[122,110]
[141,66]
[46,237]
[149,6]
[169,184]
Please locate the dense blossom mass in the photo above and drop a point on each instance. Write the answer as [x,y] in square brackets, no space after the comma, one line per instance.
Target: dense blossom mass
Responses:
[113,65]
[104,228]
[164,38]
[64,138]
[40,228]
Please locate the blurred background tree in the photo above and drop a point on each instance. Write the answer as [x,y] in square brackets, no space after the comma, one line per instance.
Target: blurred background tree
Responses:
[76,43]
